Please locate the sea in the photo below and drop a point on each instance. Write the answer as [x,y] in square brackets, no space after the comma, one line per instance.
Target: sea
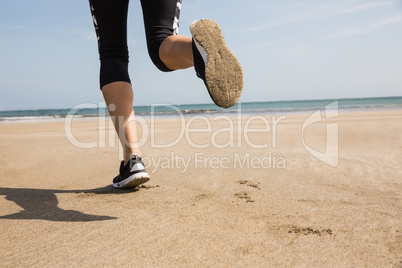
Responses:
[270,107]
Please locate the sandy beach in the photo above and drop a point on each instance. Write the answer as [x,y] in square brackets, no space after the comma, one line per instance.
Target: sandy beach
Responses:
[224,191]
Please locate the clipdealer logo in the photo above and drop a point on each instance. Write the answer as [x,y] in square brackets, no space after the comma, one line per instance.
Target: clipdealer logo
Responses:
[331,154]
[203,161]
[238,130]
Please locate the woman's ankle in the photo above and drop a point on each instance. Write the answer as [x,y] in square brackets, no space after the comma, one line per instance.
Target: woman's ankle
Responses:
[130,156]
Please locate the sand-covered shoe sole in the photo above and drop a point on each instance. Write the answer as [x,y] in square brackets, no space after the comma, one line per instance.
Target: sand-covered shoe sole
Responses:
[223,72]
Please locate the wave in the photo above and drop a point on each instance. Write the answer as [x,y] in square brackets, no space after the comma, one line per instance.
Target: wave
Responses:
[285,107]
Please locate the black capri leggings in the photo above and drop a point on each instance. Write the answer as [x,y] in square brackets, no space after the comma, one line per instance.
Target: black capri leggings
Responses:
[161,19]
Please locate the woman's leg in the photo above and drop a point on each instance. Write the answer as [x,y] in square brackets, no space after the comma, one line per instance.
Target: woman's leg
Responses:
[110,21]
[206,51]
[168,50]
[176,52]
[119,100]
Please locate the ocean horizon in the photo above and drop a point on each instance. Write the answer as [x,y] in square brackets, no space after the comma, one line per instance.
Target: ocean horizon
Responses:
[270,107]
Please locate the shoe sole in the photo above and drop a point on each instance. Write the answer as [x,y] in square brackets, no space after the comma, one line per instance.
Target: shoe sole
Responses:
[133,181]
[223,72]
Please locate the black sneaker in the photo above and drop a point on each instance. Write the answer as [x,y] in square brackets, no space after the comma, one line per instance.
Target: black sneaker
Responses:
[215,64]
[132,174]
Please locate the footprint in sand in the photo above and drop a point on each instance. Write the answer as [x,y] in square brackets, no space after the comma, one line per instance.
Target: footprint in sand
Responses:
[244,196]
[250,184]
[309,231]
[148,186]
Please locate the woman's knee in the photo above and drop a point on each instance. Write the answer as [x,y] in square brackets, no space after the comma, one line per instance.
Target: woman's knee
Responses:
[153,50]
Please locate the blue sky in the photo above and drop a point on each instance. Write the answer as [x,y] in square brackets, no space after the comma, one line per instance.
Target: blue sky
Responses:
[290,50]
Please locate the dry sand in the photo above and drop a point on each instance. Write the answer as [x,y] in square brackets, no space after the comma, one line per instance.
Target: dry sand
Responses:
[57,207]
